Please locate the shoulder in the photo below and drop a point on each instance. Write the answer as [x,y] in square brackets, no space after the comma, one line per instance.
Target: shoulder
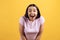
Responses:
[42,19]
[21,18]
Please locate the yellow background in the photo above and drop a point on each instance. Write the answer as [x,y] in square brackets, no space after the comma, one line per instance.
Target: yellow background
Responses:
[12,10]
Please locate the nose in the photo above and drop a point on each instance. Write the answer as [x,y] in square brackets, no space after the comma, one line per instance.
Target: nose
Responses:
[32,12]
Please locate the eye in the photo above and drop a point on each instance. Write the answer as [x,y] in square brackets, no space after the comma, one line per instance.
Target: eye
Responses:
[34,10]
[30,10]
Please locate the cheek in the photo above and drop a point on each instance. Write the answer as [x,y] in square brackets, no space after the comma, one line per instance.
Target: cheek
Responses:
[29,13]
[36,13]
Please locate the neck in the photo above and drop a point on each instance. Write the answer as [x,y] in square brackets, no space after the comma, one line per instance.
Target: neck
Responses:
[32,19]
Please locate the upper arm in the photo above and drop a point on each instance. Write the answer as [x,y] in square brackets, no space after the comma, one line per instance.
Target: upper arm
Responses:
[41,27]
[42,21]
[21,22]
[21,28]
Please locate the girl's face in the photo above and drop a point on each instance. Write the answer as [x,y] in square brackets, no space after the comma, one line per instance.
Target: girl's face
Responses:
[32,12]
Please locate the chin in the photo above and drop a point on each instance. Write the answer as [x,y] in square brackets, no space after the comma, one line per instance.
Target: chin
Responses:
[32,18]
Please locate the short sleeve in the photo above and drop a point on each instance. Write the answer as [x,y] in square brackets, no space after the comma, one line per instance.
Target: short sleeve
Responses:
[42,20]
[21,20]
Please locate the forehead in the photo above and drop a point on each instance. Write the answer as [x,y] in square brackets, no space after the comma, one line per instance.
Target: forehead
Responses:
[32,7]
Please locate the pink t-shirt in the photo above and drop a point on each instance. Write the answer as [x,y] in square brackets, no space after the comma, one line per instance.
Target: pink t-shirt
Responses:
[31,29]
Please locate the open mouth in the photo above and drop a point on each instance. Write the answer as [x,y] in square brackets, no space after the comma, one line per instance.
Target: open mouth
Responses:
[32,16]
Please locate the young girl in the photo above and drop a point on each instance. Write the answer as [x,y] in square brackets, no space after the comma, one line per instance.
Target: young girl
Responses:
[31,24]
